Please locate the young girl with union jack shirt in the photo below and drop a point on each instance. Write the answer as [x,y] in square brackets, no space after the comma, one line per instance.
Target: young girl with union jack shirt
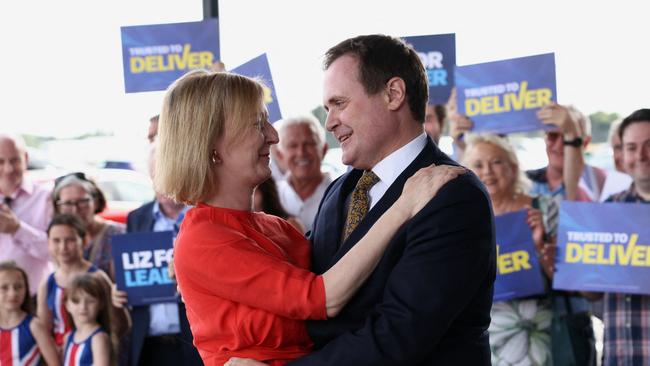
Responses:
[88,305]
[66,234]
[18,347]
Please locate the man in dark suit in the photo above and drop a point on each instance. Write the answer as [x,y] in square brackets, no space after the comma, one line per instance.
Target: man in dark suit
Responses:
[428,300]
[160,333]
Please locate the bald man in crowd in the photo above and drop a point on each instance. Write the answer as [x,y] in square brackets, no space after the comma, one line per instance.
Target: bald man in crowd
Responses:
[25,212]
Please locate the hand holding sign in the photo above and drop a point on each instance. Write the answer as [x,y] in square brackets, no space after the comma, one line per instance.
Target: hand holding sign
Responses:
[458,123]
[561,117]
[503,96]
[141,268]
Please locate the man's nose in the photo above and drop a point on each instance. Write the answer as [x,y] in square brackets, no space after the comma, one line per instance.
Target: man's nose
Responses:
[331,121]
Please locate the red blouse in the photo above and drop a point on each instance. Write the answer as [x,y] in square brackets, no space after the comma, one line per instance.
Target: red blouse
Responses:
[246,285]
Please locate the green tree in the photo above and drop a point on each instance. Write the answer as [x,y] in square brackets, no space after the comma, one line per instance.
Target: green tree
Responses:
[600,122]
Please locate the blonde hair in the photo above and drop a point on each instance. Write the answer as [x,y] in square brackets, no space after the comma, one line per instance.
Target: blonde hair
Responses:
[194,114]
[521,183]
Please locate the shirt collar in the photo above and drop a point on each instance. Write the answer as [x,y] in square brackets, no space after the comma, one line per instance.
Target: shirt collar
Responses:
[394,164]
[632,192]
[158,214]
[537,175]
[26,187]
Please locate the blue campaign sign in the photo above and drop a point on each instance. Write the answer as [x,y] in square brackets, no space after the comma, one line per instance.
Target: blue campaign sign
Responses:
[504,96]
[518,270]
[154,56]
[603,247]
[438,55]
[258,68]
[141,265]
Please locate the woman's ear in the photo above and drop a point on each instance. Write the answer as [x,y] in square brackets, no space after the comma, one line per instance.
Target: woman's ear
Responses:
[395,93]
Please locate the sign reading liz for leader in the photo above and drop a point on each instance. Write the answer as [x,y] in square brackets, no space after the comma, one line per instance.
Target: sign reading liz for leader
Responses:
[155,55]
[504,96]
[141,266]
[518,270]
[438,55]
[259,68]
[603,247]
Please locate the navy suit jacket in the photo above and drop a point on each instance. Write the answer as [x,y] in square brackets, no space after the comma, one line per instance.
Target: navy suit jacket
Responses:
[142,220]
[428,300]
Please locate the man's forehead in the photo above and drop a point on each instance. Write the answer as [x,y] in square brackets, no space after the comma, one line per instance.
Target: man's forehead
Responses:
[343,70]
[298,131]
[8,147]
[638,131]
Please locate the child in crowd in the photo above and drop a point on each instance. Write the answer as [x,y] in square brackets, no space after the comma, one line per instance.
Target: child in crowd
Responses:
[88,305]
[17,344]
[66,235]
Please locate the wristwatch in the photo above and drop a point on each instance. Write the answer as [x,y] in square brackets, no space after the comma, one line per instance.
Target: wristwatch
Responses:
[576,142]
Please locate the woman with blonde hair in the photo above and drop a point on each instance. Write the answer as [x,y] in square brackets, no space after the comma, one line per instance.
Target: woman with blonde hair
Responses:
[520,329]
[244,275]
[520,332]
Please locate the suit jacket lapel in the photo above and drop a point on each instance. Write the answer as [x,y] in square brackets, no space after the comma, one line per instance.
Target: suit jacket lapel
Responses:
[425,158]
[334,214]
[145,221]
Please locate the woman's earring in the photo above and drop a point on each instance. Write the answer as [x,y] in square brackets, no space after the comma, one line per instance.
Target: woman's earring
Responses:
[215,158]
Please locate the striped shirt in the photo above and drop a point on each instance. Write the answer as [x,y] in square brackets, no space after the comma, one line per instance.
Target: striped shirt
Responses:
[55,295]
[627,317]
[81,353]
[17,345]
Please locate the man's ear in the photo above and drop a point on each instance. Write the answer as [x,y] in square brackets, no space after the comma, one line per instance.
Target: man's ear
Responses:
[395,93]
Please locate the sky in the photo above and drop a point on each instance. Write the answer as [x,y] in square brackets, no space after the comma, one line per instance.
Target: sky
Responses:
[62,61]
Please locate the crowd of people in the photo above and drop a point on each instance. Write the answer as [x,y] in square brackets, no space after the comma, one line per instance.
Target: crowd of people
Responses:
[277,263]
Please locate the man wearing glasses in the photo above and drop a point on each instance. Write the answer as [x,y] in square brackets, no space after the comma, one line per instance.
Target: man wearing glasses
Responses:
[25,212]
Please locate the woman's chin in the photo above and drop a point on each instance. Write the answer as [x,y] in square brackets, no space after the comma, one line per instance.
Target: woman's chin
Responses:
[262,177]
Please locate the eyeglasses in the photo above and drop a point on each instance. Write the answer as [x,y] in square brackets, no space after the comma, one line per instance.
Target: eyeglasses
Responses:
[78,175]
[78,204]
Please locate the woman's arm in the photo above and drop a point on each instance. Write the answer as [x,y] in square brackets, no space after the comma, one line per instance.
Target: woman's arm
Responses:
[222,262]
[350,272]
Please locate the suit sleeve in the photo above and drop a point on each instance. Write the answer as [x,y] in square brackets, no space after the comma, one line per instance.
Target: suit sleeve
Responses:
[446,260]
[237,269]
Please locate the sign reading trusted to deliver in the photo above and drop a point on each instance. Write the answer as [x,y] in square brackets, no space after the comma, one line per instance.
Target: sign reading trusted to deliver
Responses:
[603,247]
[504,96]
[518,270]
[154,56]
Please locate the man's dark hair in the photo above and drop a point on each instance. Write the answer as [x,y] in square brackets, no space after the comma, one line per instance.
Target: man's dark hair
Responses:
[641,115]
[381,58]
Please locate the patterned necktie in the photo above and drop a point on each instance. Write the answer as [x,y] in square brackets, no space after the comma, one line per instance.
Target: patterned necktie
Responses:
[360,202]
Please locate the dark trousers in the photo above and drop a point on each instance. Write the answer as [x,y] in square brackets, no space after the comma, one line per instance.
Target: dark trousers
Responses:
[162,350]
